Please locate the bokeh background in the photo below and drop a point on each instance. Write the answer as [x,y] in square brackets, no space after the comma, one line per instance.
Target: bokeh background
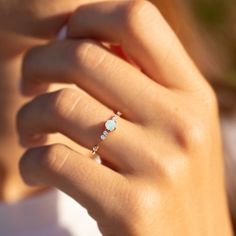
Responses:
[217,22]
[207,29]
[217,19]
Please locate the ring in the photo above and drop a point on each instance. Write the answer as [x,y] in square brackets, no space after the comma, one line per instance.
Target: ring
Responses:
[110,126]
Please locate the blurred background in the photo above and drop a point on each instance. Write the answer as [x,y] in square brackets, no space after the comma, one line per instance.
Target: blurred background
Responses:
[217,24]
[217,19]
[207,29]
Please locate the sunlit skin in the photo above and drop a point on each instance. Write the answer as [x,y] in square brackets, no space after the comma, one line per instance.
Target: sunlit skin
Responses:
[23,24]
[162,172]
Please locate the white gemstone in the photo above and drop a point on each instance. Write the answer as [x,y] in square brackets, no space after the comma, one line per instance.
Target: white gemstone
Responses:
[110,125]
[103,137]
[105,133]
[97,159]
[95,148]
[114,118]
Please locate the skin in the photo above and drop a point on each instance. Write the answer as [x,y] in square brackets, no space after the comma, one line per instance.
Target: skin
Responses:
[168,180]
[31,25]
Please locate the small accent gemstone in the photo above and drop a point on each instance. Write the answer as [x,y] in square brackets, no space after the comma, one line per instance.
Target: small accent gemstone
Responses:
[103,137]
[105,133]
[110,125]
[95,148]
[114,118]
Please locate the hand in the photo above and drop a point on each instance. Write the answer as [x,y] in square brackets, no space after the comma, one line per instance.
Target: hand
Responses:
[162,171]
[34,22]
[35,19]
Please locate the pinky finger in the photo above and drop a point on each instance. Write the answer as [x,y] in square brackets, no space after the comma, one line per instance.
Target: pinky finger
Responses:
[80,177]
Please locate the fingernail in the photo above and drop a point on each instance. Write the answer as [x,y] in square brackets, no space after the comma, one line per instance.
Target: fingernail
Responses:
[62,33]
[36,137]
[33,140]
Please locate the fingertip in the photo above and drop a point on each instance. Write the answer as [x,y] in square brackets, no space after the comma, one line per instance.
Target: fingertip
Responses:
[33,140]
[28,167]
[22,88]
[31,90]
[62,34]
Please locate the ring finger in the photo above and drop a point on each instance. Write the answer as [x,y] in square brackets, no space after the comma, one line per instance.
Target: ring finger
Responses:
[80,117]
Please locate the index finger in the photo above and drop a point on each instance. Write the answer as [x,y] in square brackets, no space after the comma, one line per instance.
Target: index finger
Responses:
[143,33]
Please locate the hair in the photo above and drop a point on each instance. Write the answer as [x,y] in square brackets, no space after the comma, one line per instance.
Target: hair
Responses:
[214,60]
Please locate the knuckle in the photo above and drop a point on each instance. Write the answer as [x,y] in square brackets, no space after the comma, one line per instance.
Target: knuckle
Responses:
[206,95]
[64,103]
[136,13]
[193,134]
[54,158]
[193,126]
[154,164]
[88,54]
[210,98]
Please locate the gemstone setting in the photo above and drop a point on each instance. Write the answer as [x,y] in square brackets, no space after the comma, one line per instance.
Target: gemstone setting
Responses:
[105,133]
[110,125]
[95,148]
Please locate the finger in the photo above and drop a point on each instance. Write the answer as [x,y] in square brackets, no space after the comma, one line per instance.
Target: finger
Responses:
[105,76]
[81,118]
[91,184]
[143,33]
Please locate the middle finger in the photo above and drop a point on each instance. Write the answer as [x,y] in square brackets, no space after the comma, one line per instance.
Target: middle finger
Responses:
[91,66]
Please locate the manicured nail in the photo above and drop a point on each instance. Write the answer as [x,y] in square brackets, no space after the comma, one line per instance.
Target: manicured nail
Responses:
[62,33]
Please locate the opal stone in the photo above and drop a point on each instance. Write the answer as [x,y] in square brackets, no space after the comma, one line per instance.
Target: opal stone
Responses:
[110,125]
